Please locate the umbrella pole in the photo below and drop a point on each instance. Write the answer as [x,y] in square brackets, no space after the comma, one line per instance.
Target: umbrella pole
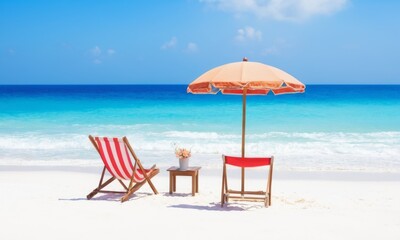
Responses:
[243,133]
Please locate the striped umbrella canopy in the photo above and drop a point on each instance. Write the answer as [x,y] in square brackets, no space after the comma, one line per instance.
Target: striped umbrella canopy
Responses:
[245,78]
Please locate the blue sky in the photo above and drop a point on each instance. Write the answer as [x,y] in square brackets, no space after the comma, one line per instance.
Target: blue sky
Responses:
[173,42]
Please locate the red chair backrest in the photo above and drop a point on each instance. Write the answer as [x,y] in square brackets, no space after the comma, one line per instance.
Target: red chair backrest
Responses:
[248,161]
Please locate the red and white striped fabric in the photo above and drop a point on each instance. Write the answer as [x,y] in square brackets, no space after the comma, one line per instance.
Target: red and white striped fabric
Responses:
[115,156]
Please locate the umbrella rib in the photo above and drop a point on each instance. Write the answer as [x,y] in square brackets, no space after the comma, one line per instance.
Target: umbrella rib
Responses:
[212,80]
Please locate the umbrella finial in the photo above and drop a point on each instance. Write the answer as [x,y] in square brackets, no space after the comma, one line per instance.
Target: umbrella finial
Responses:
[245,59]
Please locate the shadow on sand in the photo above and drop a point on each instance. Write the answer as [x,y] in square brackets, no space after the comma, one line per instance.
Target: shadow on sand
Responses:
[217,207]
[115,197]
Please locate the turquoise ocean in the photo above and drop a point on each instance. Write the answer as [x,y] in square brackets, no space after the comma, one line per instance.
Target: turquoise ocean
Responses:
[329,127]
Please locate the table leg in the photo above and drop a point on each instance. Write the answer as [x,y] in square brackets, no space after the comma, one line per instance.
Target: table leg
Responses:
[174,183]
[197,182]
[193,184]
[170,183]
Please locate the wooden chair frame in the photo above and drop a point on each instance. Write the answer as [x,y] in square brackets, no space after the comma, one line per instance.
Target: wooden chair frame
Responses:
[255,196]
[133,186]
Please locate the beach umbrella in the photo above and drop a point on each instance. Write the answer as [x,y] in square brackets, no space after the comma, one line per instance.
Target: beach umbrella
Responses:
[245,78]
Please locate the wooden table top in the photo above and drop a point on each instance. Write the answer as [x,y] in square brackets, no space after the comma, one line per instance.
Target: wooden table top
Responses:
[190,169]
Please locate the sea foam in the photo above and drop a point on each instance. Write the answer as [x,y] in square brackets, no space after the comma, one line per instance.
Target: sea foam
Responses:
[373,151]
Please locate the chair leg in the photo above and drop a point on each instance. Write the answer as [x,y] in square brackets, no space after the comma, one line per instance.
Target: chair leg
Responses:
[132,191]
[269,199]
[223,196]
[137,186]
[96,190]
[148,179]
[92,194]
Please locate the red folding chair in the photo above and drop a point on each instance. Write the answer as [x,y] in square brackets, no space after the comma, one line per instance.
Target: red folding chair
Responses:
[115,155]
[246,162]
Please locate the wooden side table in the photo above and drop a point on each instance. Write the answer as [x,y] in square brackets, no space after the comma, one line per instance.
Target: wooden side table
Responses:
[191,171]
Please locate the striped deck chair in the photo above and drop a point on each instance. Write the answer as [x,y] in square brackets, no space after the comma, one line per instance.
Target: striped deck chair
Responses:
[246,162]
[115,155]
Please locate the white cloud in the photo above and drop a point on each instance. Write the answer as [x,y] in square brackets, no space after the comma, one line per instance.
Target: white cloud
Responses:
[170,44]
[248,33]
[96,51]
[97,55]
[281,10]
[110,51]
[192,47]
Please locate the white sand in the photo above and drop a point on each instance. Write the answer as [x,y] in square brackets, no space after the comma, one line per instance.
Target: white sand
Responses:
[51,204]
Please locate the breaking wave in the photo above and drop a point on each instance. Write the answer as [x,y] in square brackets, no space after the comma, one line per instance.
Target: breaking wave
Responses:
[372,151]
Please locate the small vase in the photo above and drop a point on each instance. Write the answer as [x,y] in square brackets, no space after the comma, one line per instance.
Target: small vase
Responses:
[183,164]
